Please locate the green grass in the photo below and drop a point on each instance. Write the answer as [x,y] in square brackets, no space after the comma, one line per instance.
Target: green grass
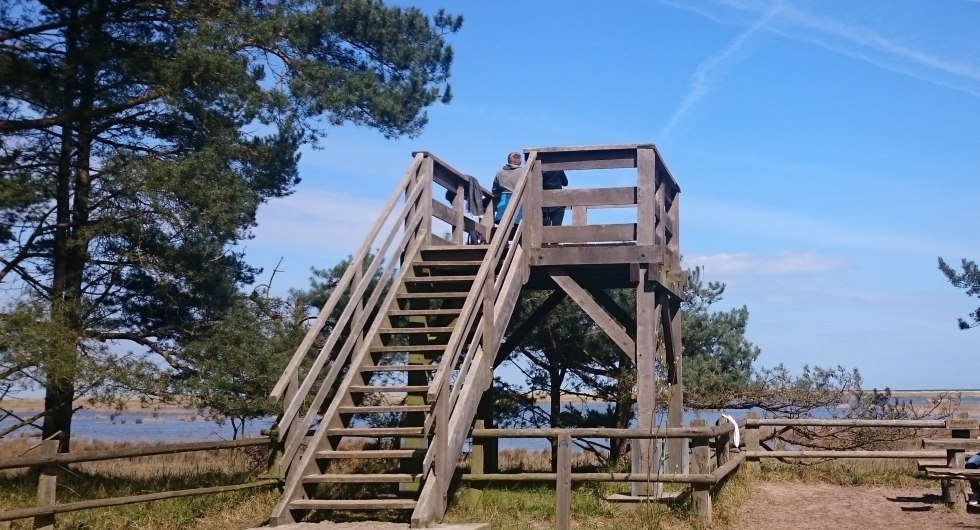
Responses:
[533,508]
[506,507]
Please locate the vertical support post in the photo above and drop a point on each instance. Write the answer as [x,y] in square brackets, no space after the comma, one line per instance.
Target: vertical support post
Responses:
[459,220]
[647,313]
[752,441]
[47,486]
[563,489]
[701,463]
[677,451]
[956,459]
[532,205]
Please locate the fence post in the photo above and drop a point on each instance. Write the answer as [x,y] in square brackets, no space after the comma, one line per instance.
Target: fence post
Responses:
[956,459]
[722,450]
[563,488]
[47,486]
[701,463]
[752,441]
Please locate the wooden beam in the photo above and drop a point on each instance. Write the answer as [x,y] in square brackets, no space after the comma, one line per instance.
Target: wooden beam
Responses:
[618,312]
[645,198]
[595,311]
[594,255]
[132,499]
[592,197]
[61,459]
[588,233]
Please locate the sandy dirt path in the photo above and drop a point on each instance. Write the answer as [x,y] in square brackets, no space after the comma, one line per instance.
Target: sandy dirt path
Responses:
[817,506]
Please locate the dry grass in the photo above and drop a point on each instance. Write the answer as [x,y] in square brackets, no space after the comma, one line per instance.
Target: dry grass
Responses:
[136,476]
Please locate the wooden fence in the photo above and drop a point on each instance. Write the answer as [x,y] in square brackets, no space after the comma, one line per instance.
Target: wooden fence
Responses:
[49,463]
[961,428]
[706,474]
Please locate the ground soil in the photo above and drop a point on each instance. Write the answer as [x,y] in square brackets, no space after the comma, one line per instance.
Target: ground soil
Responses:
[812,505]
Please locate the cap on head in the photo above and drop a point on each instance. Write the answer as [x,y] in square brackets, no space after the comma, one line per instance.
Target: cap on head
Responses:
[514,158]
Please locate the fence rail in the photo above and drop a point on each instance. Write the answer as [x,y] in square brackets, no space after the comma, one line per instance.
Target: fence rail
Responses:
[49,461]
[704,476]
[952,450]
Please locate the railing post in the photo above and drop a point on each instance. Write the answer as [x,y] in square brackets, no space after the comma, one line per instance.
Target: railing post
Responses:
[292,429]
[752,441]
[47,486]
[441,442]
[956,459]
[563,487]
[701,463]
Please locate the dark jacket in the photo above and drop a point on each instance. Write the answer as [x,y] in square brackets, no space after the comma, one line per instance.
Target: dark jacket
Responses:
[553,180]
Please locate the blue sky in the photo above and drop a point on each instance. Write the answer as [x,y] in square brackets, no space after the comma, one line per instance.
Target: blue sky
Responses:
[827,152]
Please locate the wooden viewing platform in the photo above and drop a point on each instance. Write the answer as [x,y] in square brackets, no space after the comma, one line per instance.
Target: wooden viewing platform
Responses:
[436,334]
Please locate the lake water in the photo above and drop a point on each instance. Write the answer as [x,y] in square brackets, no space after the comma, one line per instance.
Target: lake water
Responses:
[185,426]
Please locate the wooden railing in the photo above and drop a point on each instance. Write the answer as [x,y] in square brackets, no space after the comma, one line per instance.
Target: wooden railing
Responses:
[706,473]
[49,462]
[376,265]
[483,320]
[949,450]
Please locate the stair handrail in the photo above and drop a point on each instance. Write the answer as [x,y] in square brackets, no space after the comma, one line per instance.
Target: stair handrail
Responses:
[439,461]
[341,360]
[344,284]
[335,335]
[468,314]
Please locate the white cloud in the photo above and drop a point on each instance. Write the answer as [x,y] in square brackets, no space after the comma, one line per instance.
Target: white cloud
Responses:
[315,221]
[783,264]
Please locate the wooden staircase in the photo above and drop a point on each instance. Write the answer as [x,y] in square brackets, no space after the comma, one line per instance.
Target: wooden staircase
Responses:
[376,443]
[375,422]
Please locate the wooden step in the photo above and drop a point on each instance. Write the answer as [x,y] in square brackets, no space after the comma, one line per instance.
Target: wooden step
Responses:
[414,330]
[401,367]
[353,504]
[373,454]
[447,264]
[375,478]
[381,409]
[423,312]
[436,348]
[440,279]
[368,389]
[433,295]
[375,432]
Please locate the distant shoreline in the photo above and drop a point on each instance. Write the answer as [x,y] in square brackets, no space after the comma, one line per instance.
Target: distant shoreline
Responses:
[22,405]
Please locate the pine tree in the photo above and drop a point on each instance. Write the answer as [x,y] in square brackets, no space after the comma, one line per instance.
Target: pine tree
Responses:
[138,140]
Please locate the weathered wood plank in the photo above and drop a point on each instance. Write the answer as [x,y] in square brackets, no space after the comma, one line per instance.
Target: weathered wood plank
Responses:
[645,198]
[129,452]
[592,197]
[960,444]
[945,472]
[594,255]
[563,485]
[132,499]
[596,312]
[588,233]
[353,504]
